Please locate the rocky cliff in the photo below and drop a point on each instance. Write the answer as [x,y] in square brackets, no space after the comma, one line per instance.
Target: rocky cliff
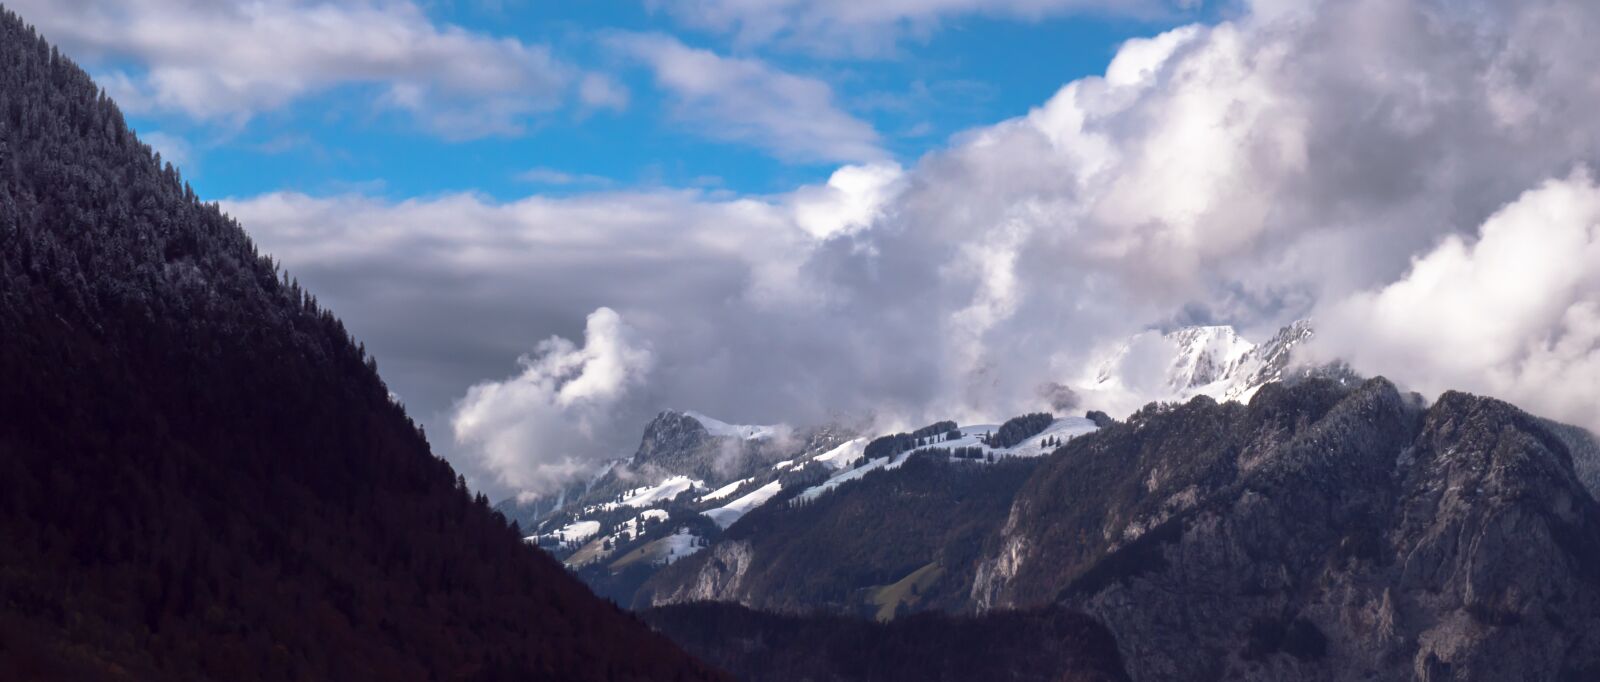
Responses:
[1318,533]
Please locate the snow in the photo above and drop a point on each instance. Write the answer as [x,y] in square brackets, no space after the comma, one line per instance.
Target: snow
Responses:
[631,526]
[843,456]
[680,545]
[651,495]
[1174,367]
[726,490]
[1066,429]
[722,429]
[580,530]
[733,511]
[853,474]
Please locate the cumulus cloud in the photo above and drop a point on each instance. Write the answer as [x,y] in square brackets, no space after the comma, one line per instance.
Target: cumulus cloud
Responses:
[845,27]
[173,149]
[1514,313]
[231,60]
[539,427]
[1250,172]
[750,102]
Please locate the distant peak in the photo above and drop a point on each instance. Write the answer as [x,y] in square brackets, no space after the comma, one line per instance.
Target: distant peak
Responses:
[722,429]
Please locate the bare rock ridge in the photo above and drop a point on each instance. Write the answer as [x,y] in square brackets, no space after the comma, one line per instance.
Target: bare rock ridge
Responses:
[1318,533]
[1327,530]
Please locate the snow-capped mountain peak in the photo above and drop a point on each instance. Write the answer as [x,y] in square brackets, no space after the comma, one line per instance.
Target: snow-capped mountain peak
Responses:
[1206,355]
[1215,361]
[722,429]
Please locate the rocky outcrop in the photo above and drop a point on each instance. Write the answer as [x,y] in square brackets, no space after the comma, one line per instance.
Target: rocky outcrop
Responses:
[670,440]
[718,577]
[1320,533]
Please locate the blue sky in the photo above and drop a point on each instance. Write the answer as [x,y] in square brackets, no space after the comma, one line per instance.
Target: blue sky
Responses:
[971,71]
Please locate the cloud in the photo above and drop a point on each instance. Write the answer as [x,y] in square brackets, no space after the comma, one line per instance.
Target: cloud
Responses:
[228,61]
[1250,172]
[749,102]
[873,29]
[551,176]
[1514,313]
[538,427]
[599,91]
[173,149]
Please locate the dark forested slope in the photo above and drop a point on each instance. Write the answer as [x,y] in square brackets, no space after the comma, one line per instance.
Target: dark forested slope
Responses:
[899,540]
[202,476]
[1044,645]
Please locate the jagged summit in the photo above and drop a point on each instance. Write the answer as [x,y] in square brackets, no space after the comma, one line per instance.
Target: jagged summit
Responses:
[1213,361]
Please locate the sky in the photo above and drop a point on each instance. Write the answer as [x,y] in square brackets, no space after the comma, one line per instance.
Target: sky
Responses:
[549,220]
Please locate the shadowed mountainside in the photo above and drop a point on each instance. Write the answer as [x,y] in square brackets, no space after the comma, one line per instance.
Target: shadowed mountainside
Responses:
[202,475]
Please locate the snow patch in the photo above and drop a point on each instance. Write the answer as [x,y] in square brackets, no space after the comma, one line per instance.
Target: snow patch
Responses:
[722,429]
[651,495]
[580,530]
[733,511]
[726,490]
[681,544]
[843,456]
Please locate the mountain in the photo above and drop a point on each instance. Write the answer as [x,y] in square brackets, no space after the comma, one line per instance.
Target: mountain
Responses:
[1212,361]
[1326,530]
[642,516]
[676,445]
[1043,645]
[202,475]
[1320,532]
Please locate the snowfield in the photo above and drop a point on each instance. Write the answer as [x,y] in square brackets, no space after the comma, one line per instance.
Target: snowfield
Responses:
[680,545]
[581,530]
[844,456]
[726,490]
[649,496]
[733,511]
[1065,429]
[722,429]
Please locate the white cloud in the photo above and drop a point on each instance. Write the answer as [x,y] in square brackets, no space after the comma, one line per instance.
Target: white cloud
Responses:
[1250,172]
[854,28]
[600,91]
[1515,313]
[173,149]
[229,61]
[536,428]
[750,102]
[551,176]
[853,199]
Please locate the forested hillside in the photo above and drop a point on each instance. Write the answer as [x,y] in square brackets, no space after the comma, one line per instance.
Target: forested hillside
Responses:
[1044,645]
[202,475]
[900,540]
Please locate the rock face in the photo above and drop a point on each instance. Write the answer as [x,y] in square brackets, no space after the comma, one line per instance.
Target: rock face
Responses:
[680,444]
[717,577]
[1320,533]
[1585,451]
